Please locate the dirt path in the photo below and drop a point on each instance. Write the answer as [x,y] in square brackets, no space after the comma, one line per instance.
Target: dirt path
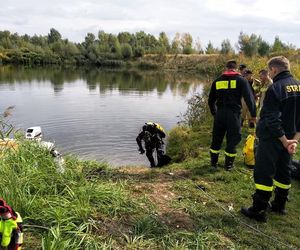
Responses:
[158,188]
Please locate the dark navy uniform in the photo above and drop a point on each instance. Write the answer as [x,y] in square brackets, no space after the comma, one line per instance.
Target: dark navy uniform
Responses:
[152,134]
[280,115]
[225,105]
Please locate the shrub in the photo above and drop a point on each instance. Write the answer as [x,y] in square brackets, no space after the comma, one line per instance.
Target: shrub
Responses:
[188,50]
[139,52]
[126,51]
[198,111]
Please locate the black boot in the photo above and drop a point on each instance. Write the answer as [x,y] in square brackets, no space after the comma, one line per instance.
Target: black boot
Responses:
[229,162]
[150,158]
[160,155]
[259,207]
[281,197]
[214,160]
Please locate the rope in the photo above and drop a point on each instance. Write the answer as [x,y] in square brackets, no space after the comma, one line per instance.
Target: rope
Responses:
[35,226]
[219,205]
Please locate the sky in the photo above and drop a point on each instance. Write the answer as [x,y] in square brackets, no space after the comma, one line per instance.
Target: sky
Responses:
[205,20]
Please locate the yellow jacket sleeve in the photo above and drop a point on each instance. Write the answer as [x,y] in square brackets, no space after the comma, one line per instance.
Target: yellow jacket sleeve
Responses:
[6,229]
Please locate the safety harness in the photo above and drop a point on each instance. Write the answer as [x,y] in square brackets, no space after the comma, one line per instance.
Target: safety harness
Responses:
[11,235]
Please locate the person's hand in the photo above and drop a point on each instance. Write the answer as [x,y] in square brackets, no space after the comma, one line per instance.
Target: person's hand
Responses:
[291,148]
[290,145]
[142,151]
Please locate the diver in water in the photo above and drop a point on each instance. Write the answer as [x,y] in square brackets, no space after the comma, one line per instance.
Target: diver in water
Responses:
[152,134]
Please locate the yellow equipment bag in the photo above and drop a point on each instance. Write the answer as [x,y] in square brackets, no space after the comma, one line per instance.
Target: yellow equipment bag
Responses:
[249,151]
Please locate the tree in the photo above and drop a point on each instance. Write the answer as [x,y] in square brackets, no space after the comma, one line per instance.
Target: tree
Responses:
[210,49]
[198,46]
[124,37]
[89,40]
[278,45]
[226,47]
[186,41]
[126,51]
[53,36]
[163,41]
[139,39]
[116,48]
[249,44]
[176,43]
[151,43]
[5,39]
[26,38]
[39,41]
[70,50]
[139,51]
[103,37]
[264,48]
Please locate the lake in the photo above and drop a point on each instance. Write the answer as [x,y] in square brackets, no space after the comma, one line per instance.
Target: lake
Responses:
[95,113]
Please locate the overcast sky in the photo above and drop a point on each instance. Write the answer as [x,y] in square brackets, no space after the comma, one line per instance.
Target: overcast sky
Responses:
[207,20]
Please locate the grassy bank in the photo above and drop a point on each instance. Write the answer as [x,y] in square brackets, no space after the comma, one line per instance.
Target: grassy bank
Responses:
[182,206]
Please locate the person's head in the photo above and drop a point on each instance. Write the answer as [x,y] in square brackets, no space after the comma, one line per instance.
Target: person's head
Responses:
[149,126]
[242,68]
[278,64]
[231,65]
[263,75]
[248,74]
[144,128]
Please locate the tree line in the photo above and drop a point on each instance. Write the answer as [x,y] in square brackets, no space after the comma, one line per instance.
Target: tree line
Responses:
[108,49]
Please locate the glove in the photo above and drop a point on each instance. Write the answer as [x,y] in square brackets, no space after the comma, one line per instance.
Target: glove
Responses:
[142,151]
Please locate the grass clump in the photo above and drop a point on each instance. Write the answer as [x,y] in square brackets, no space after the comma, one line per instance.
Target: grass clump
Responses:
[67,205]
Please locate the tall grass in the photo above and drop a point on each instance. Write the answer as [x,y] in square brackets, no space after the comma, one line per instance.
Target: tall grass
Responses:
[67,205]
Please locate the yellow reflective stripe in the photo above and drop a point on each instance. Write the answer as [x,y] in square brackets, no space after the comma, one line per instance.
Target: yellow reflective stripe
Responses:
[214,151]
[222,85]
[233,84]
[19,218]
[281,185]
[230,155]
[263,187]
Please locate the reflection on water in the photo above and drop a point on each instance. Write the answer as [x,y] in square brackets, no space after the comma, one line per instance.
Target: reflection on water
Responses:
[95,114]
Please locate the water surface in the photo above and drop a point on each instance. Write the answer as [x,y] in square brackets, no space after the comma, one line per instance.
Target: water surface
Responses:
[95,114]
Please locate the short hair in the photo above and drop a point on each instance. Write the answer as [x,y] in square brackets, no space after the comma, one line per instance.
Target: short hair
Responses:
[279,62]
[231,64]
[263,71]
[242,66]
[248,72]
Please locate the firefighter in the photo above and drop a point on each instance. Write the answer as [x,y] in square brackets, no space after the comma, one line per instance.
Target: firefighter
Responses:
[152,134]
[10,227]
[278,130]
[253,83]
[225,105]
[266,81]
[242,69]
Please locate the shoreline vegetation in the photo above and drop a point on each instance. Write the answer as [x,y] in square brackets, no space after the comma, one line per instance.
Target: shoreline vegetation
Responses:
[137,50]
